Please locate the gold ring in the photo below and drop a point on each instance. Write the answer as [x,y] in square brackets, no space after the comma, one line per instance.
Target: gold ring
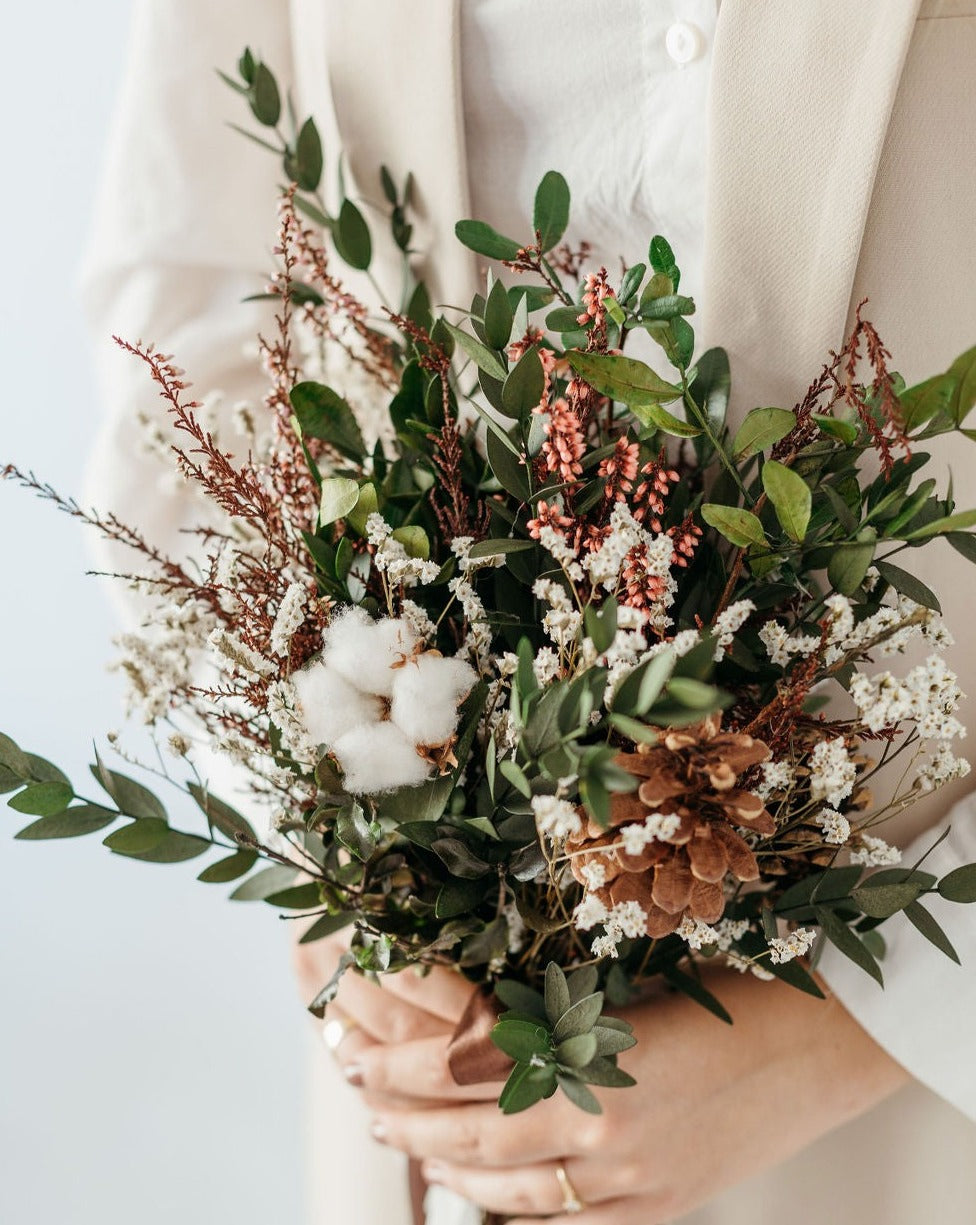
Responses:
[571,1200]
[336,1030]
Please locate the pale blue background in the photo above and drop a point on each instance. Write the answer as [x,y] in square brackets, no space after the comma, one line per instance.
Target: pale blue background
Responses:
[150,1037]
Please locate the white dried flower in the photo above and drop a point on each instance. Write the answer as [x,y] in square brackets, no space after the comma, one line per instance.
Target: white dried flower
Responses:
[290,615]
[796,944]
[777,776]
[589,912]
[554,817]
[696,934]
[832,773]
[836,828]
[729,622]
[874,852]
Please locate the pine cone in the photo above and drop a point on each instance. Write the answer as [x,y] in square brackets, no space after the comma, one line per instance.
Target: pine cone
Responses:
[690,773]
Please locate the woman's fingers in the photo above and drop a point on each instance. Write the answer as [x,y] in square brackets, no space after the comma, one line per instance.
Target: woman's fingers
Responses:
[481,1135]
[614,1212]
[530,1189]
[443,992]
[384,1015]
[416,1070]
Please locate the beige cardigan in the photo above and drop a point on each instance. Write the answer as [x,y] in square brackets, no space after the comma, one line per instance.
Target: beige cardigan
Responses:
[841,165]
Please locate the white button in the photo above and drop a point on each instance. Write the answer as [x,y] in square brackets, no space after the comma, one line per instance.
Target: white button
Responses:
[684,42]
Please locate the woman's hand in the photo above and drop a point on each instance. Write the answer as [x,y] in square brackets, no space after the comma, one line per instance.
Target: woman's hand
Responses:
[713,1104]
[410,1017]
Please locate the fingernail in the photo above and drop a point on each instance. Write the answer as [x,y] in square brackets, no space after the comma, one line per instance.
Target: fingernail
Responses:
[433,1171]
[379,1131]
[353,1072]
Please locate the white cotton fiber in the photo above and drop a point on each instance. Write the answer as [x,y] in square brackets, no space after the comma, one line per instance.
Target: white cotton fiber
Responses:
[426,693]
[364,651]
[379,757]
[329,705]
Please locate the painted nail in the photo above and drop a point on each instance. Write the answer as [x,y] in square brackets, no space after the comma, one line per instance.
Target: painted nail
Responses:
[353,1072]
[379,1131]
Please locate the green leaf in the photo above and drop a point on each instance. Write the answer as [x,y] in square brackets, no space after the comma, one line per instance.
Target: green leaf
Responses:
[964,543]
[324,414]
[550,215]
[264,97]
[138,837]
[928,925]
[499,547]
[942,526]
[849,564]
[583,983]
[366,504]
[132,798]
[577,1052]
[525,1086]
[262,884]
[662,261]
[623,378]
[514,774]
[963,399]
[308,157]
[351,237]
[459,858]
[882,901]
[499,315]
[414,540]
[908,585]
[639,691]
[557,994]
[578,1094]
[846,431]
[612,1041]
[695,695]
[959,885]
[339,495]
[173,847]
[72,823]
[848,942]
[42,771]
[327,925]
[739,526]
[481,238]
[790,496]
[13,758]
[352,830]
[522,389]
[580,1018]
[480,354]
[246,65]
[296,897]
[220,815]
[601,624]
[760,430]
[228,869]
[520,1040]
[633,729]
[659,418]
[520,998]
[42,799]
[926,400]
[605,1073]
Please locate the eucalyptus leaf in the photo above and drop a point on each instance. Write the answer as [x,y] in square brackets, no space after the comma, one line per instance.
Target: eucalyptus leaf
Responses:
[580,1018]
[741,527]
[42,799]
[790,496]
[324,414]
[350,233]
[479,237]
[72,823]
[339,495]
[761,429]
[550,215]
[625,379]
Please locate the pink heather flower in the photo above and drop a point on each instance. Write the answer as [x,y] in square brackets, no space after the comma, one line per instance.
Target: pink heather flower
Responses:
[620,469]
[565,445]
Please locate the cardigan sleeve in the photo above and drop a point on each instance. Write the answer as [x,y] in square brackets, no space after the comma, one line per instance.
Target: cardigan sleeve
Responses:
[923,1016]
[183,230]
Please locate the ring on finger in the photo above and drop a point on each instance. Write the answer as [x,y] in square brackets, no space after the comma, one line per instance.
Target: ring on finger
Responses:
[335,1031]
[572,1204]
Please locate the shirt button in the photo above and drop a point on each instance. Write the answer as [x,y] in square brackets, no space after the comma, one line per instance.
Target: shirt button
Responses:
[684,42]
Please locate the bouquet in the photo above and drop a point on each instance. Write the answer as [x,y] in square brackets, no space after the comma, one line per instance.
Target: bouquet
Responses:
[530,664]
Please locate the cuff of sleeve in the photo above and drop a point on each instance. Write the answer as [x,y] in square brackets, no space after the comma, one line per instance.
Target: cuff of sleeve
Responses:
[923,1016]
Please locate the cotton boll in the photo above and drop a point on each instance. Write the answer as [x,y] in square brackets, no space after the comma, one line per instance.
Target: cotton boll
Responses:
[379,757]
[364,651]
[329,705]
[426,693]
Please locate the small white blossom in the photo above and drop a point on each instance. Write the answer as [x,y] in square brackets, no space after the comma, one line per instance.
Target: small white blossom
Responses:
[832,773]
[836,828]
[875,852]
[545,666]
[605,946]
[555,818]
[629,918]
[594,874]
[777,776]
[696,934]
[796,944]
[729,622]
[589,912]
[290,615]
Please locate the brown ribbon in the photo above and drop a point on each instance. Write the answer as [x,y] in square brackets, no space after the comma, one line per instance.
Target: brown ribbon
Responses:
[474,1060]
[472,1056]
